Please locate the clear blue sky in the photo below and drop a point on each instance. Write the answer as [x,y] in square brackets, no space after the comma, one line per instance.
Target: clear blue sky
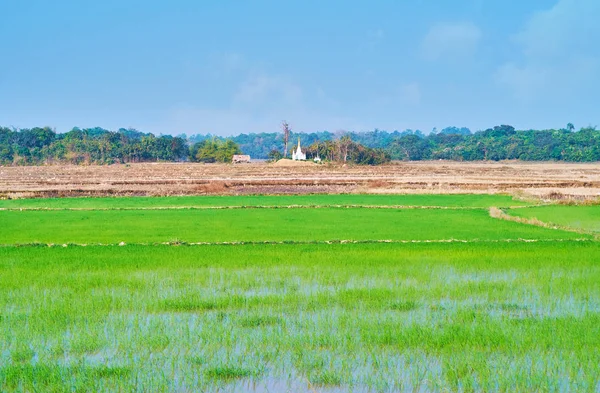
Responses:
[226,67]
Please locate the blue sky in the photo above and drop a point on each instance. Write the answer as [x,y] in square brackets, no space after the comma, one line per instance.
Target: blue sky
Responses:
[226,67]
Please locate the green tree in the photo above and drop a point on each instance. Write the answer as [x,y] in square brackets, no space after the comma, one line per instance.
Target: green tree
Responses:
[215,150]
[275,155]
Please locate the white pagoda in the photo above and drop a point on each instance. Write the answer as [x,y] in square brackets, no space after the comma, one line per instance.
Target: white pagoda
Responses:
[298,154]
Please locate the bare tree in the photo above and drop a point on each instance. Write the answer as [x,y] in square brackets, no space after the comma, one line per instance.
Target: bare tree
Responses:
[344,144]
[286,136]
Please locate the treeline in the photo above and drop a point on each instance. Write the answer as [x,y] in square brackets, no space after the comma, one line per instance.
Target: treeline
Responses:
[452,143]
[502,143]
[99,146]
[42,145]
[260,145]
[38,145]
[87,146]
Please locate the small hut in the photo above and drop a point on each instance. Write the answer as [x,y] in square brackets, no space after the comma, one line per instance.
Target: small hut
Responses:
[240,159]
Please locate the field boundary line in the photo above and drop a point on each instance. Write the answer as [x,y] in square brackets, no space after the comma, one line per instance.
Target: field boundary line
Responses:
[500,214]
[353,206]
[295,242]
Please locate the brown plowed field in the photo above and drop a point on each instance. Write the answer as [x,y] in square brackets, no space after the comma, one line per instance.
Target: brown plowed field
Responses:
[535,179]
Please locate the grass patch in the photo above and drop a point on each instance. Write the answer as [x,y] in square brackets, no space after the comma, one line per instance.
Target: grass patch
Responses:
[229,373]
[259,321]
[326,378]
[191,305]
[404,306]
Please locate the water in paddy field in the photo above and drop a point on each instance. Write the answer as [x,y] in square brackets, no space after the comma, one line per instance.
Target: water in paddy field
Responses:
[294,383]
[284,385]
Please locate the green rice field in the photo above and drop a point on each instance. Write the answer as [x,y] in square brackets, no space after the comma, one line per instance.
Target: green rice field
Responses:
[315,298]
[230,225]
[580,217]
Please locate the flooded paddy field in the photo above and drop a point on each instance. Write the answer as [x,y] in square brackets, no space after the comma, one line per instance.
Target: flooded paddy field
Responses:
[300,296]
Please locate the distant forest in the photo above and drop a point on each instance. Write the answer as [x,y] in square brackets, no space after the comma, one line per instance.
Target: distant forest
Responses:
[39,145]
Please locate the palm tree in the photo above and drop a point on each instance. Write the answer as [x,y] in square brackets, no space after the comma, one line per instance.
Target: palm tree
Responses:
[570,127]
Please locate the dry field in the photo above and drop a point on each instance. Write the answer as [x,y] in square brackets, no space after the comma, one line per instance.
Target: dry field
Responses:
[550,180]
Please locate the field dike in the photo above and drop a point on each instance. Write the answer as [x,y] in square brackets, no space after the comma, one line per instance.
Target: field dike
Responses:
[177,243]
[501,214]
[252,207]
